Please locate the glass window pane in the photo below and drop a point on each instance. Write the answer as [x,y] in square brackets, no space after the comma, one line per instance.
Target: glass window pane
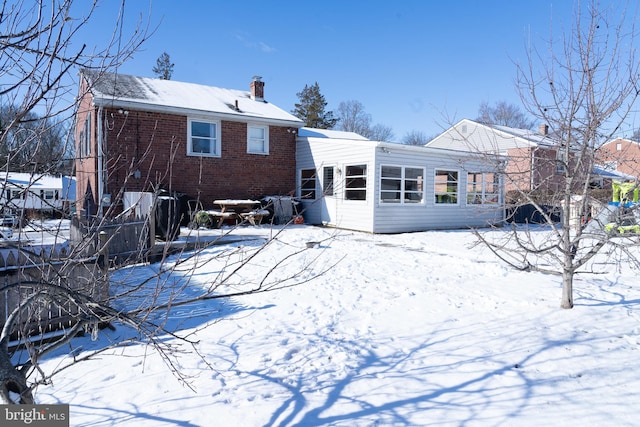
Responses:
[201,145]
[391,172]
[203,129]
[413,173]
[327,180]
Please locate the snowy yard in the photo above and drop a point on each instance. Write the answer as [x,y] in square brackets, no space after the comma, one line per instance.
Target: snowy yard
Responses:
[410,329]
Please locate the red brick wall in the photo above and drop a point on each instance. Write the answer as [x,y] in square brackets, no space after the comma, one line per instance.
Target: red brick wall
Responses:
[86,166]
[627,158]
[145,141]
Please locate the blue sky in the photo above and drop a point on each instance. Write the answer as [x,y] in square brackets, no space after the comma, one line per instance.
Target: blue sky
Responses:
[415,65]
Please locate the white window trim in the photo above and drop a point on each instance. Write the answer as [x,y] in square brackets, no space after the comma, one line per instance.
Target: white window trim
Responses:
[346,188]
[301,190]
[218,143]
[266,138]
[458,192]
[483,194]
[333,182]
[403,190]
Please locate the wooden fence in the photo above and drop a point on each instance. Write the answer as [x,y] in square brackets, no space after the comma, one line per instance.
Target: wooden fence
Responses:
[22,270]
[127,240]
[81,266]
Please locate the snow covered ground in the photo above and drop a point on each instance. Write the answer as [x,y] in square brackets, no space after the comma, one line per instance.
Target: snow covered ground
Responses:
[416,329]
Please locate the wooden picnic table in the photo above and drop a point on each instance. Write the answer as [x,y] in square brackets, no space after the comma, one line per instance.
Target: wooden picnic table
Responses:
[239,210]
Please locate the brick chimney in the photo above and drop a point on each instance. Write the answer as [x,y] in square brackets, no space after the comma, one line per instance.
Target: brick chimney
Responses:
[543,129]
[257,89]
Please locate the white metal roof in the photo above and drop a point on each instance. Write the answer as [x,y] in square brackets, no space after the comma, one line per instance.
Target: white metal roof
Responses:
[329,133]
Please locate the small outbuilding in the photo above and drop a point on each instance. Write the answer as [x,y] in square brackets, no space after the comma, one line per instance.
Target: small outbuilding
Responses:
[347,181]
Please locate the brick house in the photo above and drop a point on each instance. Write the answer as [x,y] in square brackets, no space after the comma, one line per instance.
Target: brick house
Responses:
[535,162]
[621,155]
[145,134]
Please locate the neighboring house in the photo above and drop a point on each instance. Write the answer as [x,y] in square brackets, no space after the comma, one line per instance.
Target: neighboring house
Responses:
[146,134]
[36,193]
[535,161]
[347,181]
[621,155]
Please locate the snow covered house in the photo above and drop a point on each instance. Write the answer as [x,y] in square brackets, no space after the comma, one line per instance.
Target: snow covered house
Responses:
[535,161]
[347,181]
[144,134]
[50,194]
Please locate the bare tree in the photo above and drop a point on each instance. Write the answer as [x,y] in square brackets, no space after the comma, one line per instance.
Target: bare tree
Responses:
[584,88]
[38,65]
[353,118]
[504,114]
[380,132]
[415,137]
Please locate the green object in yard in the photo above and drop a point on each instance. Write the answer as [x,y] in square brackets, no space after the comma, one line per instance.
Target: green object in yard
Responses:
[203,219]
[621,229]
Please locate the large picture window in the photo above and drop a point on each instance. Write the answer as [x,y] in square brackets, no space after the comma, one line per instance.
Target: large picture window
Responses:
[308,184]
[204,138]
[483,188]
[355,182]
[257,139]
[446,187]
[401,184]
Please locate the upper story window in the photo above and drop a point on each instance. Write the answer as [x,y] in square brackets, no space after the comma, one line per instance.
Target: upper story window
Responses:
[257,139]
[85,137]
[561,159]
[446,187]
[401,184]
[204,138]
[355,182]
[483,188]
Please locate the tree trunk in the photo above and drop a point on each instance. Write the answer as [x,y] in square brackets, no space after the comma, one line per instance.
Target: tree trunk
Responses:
[12,380]
[567,289]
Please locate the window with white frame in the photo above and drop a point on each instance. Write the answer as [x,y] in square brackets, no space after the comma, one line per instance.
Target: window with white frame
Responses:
[204,138]
[17,194]
[561,159]
[49,194]
[257,139]
[327,180]
[446,187]
[483,188]
[308,184]
[400,184]
[85,138]
[355,182]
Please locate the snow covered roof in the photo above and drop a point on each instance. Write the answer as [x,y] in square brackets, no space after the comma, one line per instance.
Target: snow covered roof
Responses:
[328,133]
[604,172]
[153,94]
[34,182]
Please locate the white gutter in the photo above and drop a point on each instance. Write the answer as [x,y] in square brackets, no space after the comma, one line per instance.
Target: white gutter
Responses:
[157,108]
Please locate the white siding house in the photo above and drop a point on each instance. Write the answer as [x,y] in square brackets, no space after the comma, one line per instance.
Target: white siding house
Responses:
[347,181]
[25,191]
